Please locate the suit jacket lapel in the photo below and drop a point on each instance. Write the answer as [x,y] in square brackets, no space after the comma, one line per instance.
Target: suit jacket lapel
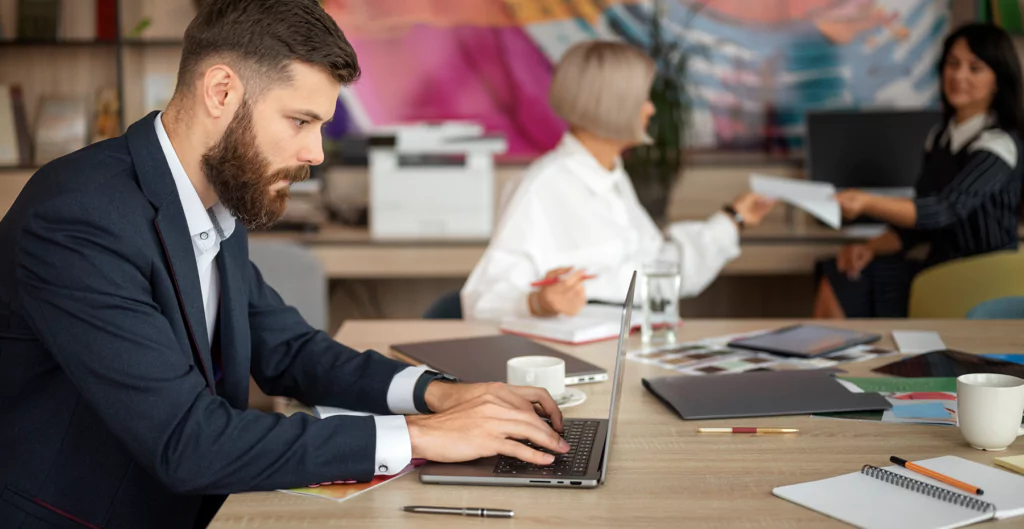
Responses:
[173,232]
[157,183]
[233,320]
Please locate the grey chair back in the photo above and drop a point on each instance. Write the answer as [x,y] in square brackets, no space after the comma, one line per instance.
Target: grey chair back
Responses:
[296,274]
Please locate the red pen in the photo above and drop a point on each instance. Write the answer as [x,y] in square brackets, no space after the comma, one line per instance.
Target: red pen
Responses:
[552,280]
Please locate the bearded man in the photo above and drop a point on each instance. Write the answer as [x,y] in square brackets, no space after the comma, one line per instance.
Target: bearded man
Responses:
[131,317]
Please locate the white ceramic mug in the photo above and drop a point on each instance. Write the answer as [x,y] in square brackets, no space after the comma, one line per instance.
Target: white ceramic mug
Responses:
[545,372]
[989,408]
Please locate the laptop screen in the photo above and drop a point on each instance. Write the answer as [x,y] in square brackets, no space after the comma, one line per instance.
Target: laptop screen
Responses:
[620,365]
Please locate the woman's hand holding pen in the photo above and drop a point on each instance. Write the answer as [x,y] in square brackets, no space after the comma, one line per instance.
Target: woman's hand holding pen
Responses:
[560,293]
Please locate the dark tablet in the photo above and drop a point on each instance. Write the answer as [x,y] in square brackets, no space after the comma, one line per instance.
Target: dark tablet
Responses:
[949,363]
[806,341]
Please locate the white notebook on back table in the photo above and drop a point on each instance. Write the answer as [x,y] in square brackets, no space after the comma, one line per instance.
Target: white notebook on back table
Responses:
[897,498]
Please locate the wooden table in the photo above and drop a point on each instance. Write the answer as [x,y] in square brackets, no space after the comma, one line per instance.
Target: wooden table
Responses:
[661,472]
[349,253]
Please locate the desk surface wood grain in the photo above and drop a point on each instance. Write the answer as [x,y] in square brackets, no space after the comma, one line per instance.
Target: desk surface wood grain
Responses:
[662,473]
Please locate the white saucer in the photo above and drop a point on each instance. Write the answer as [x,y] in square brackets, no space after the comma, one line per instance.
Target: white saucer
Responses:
[571,397]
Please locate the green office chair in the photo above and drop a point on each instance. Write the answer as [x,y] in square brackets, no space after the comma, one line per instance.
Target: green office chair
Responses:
[951,290]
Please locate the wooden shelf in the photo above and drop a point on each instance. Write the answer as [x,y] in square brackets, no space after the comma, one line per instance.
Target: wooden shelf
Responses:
[128,42]
[143,42]
[18,168]
[77,43]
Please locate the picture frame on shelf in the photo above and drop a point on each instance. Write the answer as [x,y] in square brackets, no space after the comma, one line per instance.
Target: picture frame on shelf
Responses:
[62,127]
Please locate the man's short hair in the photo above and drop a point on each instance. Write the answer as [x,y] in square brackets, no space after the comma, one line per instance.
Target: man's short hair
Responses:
[260,38]
[600,87]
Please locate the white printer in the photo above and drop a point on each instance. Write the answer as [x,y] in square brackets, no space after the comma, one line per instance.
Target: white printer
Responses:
[432,181]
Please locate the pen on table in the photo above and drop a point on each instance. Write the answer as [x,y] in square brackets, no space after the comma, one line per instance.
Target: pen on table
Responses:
[472,511]
[909,465]
[552,280]
[741,429]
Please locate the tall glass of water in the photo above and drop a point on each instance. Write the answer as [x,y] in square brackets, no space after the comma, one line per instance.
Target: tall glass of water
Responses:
[659,294]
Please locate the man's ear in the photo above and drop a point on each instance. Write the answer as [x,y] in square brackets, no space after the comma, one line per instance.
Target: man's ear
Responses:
[222,91]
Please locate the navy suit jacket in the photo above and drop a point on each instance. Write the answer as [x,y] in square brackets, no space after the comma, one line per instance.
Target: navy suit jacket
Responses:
[109,416]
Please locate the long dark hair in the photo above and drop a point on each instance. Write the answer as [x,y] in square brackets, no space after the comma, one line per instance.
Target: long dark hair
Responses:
[993,46]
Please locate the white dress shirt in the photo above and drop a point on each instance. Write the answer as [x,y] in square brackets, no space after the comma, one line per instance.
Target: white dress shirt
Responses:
[208,227]
[569,210]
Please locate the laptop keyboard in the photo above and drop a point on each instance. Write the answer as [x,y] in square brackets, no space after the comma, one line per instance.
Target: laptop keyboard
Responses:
[580,435]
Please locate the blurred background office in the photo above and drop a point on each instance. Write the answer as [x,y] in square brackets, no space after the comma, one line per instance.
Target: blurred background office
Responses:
[453,103]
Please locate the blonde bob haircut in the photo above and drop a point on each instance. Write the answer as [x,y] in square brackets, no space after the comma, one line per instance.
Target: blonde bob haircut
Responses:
[601,86]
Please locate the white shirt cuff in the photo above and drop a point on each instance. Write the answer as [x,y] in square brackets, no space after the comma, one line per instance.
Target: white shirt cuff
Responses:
[726,231]
[400,391]
[394,448]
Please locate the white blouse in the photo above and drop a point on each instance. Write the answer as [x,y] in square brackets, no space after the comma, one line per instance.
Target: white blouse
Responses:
[569,210]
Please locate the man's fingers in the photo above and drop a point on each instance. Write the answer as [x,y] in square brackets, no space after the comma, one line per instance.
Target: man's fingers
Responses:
[491,399]
[541,436]
[505,412]
[547,404]
[544,404]
[511,399]
[508,447]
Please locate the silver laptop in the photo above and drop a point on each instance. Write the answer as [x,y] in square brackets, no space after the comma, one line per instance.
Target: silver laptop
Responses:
[590,440]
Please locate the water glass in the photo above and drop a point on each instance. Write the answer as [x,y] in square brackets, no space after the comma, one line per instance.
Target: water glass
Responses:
[659,296]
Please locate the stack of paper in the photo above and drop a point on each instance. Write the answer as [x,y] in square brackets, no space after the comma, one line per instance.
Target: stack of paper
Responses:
[816,198]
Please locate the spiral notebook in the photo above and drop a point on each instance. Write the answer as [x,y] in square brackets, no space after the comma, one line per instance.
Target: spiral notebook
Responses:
[897,498]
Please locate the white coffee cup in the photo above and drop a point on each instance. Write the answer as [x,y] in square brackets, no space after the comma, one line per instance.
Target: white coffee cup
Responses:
[989,408]
[545,372]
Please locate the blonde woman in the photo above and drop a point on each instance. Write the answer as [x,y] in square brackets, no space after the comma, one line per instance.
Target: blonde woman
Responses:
[574,217]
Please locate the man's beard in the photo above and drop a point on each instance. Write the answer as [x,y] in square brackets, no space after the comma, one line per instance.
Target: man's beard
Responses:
[241,176]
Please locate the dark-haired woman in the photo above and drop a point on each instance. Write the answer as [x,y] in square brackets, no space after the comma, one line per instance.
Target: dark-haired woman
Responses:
[968,196]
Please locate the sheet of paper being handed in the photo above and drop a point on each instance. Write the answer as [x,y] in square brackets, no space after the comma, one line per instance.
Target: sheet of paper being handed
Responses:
[816,198]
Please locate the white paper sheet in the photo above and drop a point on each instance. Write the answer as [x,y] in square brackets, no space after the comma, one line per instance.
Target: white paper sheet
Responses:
[916,342]
[816,198]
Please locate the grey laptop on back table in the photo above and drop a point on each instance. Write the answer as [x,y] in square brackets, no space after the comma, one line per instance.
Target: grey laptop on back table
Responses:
[589,440]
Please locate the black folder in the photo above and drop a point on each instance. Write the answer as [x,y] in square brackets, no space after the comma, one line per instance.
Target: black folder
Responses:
[760,394]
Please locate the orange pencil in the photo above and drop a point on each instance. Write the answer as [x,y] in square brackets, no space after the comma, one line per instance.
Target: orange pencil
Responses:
[552,280]
[935,475]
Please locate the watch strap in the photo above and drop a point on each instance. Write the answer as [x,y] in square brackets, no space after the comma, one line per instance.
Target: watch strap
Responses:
[419,392]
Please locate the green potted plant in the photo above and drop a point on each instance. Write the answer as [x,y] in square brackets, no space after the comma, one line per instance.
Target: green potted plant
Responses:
[655,168]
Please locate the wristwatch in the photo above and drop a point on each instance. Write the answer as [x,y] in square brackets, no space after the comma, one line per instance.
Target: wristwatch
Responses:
[735,215]
[419,392]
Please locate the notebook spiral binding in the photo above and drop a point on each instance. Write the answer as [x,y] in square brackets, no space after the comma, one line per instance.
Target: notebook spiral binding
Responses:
[927,489]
